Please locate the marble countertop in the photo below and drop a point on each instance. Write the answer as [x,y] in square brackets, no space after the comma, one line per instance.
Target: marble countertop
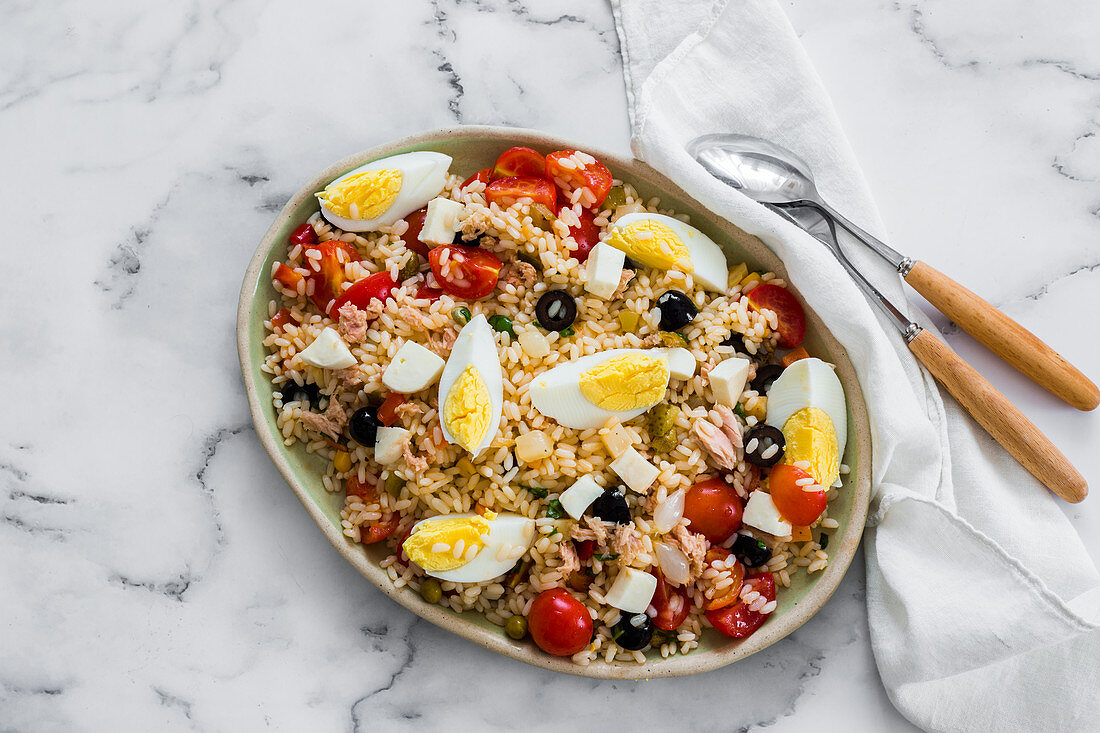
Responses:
[158,574]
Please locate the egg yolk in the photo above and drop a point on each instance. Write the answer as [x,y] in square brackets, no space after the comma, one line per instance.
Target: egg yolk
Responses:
[369,192]
[810,436]
[625,382]
[467,409]
[439,545]
[652,244]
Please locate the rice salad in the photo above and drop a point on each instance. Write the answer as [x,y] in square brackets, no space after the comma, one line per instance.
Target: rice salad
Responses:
[556,403]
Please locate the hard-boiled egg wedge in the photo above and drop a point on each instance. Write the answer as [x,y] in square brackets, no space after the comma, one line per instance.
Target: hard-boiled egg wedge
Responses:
[471,389]
[587,392]
[816,433]
[381,192]
[469,548]
[660,241]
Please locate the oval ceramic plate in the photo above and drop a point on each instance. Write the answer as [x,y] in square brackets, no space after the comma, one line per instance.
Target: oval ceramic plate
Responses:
[474,148]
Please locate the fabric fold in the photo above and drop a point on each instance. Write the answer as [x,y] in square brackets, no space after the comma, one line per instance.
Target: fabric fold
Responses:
[965,607]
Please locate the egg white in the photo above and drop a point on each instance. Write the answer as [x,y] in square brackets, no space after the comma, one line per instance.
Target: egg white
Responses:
[556,393]
[708,263]
[475,346]
[423,175]
[809,383]
[510,529]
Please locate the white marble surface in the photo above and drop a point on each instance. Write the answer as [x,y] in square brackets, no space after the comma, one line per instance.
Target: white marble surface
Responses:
[156,572]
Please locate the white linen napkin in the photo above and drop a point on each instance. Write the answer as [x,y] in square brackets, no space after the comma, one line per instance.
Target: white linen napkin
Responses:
[982,601]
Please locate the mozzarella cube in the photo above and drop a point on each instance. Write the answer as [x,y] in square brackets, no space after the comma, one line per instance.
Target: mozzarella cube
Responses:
[328,351]
[388,445]
[533,446]
[616,440]
[534,344]
[635,471]
[604,270]
[760,512]
[443,219]
[681,362]
[412,369]
[632,590]
[727,380]
[580,496]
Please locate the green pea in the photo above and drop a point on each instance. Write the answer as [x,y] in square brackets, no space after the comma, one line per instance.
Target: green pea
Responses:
[461,315]
[516,627]
[410,268]
[394,484]
[430,590]
[503,324]
[615,197]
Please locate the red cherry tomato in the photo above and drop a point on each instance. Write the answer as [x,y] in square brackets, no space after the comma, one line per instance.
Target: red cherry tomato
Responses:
[585,550]
[288,276]
[586,235]
[379,285]
[329,279]
[797,506]
[520,161]
[387,412]
[428,293]
[788,311]
[469,272]
[737,620]
[672,604]
[506,191]
[411,237]
[484,175]
[594,176]
[303,235]
[714,509]
[283,317]
[559,623]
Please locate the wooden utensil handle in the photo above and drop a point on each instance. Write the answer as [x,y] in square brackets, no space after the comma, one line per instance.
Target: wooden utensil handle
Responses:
[1000,418]
[1004,337]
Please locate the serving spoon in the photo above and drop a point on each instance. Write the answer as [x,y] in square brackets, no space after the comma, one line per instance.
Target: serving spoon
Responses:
[993,411]
[771,174]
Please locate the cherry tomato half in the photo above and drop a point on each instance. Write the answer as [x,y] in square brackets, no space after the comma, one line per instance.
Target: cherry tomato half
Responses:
[798,506]
[585,550]
[379,285]
[594,176]
[469,272]
[484,175]
[672,604]
[519,161]
[506,191]
[428,293]
[387,413]
[329,279]
[714,509]
[788,311]
[738,620]
[586,235]
[559,623]
[411,237]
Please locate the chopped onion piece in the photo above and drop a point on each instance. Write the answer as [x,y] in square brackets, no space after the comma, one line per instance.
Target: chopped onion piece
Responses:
[673,563]
[669,513]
